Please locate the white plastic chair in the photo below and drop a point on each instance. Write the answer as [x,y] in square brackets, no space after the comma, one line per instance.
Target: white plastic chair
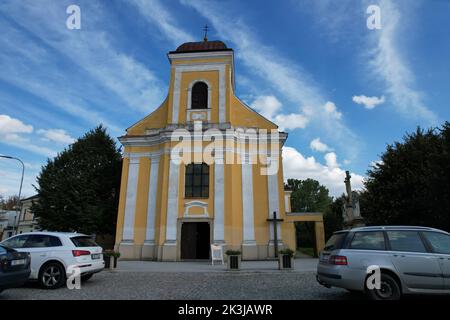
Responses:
[216,253]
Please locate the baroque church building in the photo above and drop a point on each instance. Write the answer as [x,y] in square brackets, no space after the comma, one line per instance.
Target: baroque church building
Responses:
[172,209]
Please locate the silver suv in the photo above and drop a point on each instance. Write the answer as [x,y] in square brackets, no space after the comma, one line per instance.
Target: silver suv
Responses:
[408,260]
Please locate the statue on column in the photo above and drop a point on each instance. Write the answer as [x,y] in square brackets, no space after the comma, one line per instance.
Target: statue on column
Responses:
[350,210]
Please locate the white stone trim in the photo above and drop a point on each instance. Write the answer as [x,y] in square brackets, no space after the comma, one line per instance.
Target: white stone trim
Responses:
[247,203]
[130,201]
[199,55]
[172,202]
[151,204]
[165,135]
[219,201]
[196,203]
[176,96]
[194,115]
[274,205]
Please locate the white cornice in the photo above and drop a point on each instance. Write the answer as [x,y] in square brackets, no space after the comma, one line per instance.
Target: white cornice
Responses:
[199,55]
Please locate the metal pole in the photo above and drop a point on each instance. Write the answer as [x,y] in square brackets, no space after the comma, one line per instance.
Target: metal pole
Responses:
[19,206]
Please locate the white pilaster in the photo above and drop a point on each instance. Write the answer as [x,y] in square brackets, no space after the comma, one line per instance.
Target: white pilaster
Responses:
[247,203]
[274,205]
[151,207]
[176,96]
[219,200]
[172,203]
[130,202]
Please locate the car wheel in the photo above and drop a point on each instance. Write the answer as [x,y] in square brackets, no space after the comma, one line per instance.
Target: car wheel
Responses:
[86,277]
[389,289]
[52,276]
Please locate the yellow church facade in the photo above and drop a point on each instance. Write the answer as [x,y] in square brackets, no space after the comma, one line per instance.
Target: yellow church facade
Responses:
[202,169]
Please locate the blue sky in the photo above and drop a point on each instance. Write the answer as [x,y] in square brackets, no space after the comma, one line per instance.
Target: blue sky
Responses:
[340,90]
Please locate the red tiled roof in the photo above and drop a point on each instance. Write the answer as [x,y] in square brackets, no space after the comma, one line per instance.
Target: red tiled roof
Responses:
[201,46]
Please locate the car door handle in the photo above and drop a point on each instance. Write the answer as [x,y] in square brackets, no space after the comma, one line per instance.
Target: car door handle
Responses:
[399,255]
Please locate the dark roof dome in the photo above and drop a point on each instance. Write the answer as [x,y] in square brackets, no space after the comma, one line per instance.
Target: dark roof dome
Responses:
[202,46]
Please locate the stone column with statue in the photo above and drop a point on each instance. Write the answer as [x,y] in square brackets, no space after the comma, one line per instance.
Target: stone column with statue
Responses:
[350,210]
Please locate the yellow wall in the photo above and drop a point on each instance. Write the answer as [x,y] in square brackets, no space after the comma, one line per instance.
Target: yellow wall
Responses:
[156,119]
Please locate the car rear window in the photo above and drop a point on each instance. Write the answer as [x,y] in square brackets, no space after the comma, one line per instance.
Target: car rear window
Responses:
[373,240]
[336,241]
[83,241]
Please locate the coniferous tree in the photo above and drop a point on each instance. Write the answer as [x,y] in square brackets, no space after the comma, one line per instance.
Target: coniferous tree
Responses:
[79,189]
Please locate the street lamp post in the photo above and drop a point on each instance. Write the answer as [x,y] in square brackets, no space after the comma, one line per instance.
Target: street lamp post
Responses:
[20,189]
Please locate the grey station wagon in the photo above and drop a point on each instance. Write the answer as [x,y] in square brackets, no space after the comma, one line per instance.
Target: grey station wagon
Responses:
[410,260]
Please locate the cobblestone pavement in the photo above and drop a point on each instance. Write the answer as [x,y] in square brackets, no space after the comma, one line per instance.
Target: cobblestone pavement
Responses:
[189,285]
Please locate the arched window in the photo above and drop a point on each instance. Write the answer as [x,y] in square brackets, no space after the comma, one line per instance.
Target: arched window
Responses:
[199,96]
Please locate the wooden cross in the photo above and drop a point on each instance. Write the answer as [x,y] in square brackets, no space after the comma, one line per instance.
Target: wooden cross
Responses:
[275,235]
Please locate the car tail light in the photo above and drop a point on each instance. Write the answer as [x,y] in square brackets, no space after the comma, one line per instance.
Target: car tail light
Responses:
[78,253]
[338,260]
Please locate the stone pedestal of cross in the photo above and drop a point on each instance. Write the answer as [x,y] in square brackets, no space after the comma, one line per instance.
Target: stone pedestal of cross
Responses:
[275,221]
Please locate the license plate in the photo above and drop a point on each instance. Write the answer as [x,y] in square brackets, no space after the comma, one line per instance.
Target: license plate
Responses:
[95,256]
[17,262]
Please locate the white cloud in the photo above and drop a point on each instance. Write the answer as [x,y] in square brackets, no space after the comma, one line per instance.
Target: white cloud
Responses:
[331,159]
[297,166]
[291,121]
[56,135]
[332,110]
[390,65]
[10,125]
[368,102]
[12,133]
[269,106]
[123,80]
[156,14]
[318,145]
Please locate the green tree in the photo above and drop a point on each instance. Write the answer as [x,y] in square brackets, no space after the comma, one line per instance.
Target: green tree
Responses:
[79,189]
[307,196]
[410,185]
[332,218]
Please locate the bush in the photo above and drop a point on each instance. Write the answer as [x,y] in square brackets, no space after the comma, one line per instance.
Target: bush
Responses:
[287,251]
[111,253]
